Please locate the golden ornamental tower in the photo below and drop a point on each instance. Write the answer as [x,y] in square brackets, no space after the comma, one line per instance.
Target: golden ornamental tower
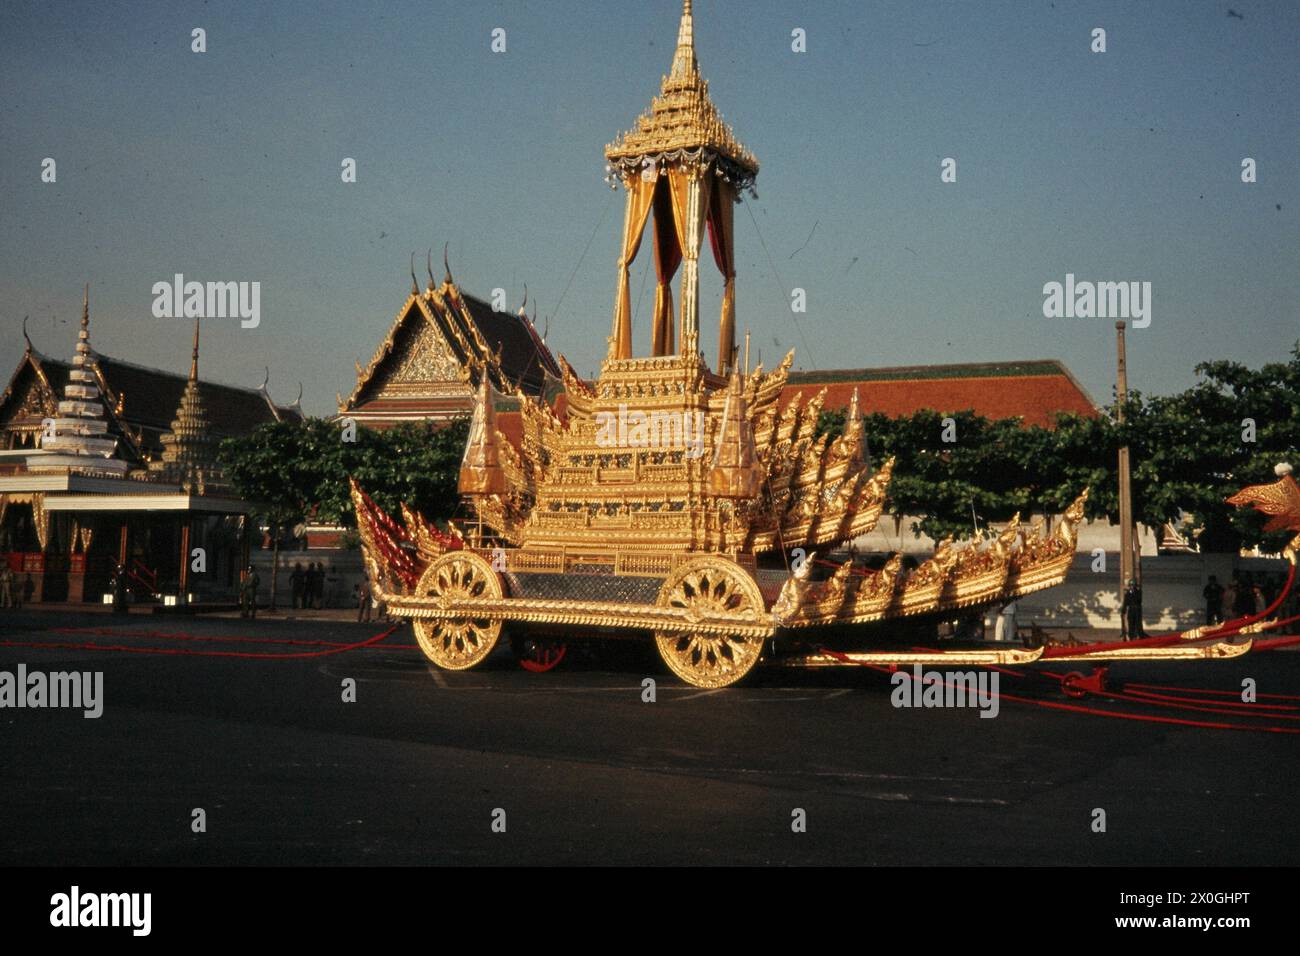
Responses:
[681,162]
[189,456]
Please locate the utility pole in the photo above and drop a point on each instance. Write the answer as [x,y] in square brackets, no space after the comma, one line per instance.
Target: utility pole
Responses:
[1129,567]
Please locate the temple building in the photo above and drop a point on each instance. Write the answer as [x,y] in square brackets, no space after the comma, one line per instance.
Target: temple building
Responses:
[425,369]
[104,462]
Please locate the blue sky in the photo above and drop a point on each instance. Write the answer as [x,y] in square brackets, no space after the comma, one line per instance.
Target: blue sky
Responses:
[1123,165]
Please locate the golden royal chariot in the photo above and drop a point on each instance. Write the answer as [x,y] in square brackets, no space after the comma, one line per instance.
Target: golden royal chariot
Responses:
[644,512]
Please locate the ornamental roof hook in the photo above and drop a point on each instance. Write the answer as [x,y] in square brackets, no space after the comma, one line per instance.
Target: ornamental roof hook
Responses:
[428,265]
[445,266]
[415,285]
[28,338]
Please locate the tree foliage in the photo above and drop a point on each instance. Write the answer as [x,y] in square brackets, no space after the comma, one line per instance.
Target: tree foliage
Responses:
[293,471]
[1189,452]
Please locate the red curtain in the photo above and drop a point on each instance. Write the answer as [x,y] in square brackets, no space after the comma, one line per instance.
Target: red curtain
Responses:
[668,256]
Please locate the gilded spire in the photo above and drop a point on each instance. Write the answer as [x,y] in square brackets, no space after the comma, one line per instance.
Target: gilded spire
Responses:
[851,439]
[684,62]
[682,124]
[189,456]
[735,472]
[480,469]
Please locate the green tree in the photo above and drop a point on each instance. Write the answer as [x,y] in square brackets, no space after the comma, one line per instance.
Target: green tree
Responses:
[417,463]
[295,471]
[1189,451]
[276,468]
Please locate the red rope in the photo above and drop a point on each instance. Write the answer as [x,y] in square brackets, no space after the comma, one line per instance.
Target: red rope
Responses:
[1097,712]
[186,652]
[1200,700]
[213,639]
[1205,690]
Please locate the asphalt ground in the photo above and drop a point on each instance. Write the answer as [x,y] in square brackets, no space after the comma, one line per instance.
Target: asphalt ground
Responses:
[213,713]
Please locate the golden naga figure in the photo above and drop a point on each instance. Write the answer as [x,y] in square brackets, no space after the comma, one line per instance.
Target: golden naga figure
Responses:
[646,509]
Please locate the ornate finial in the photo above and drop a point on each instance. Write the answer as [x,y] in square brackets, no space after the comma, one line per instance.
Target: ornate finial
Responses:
[85,308]
[297,401]
[684,63]
[445,266]
[428,265]
[265,381]
[523,308]
[194,357]
[415,285]
[26,336]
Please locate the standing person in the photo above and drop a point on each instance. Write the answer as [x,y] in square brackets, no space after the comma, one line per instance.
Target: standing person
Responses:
[1243,602]
[1131,612]
[6,583]
[1005,628]
[118,585]
[248,593]
[363,607]
[1213,594]
[1262,598]
[314,579]
[297,585]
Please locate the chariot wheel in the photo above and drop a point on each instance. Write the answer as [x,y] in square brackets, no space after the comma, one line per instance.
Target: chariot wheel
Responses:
[710,588]
[457,643]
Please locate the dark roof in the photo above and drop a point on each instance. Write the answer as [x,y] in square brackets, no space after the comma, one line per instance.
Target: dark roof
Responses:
[523,355]
[151,396]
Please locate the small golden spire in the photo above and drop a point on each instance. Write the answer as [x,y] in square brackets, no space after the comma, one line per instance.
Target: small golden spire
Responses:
[684,63]
[194,357]
[85,308]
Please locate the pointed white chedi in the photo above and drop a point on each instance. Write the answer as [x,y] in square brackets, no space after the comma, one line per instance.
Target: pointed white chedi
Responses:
[79,437]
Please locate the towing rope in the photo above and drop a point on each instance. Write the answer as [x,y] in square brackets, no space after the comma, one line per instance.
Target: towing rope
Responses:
[1080,708]
[208,638]
[187,652]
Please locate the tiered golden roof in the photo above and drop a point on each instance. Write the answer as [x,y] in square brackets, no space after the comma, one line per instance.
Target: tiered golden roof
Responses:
[189,456]
[682,124]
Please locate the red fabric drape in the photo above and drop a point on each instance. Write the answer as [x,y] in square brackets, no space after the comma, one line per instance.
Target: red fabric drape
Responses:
[668,256]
